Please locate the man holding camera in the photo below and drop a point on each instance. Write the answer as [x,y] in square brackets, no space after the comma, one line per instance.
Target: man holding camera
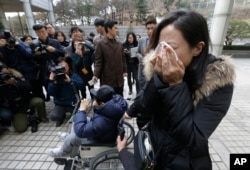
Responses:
[46,50]
[17,56]
[16,99]
[63,86]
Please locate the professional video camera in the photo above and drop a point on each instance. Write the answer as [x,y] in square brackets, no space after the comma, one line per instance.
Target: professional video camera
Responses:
[59,72]
[11,41]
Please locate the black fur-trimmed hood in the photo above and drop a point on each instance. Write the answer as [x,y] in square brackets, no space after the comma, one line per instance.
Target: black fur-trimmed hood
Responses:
[218,74]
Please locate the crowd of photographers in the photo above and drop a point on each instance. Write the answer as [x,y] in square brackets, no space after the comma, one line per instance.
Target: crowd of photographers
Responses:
[28,66]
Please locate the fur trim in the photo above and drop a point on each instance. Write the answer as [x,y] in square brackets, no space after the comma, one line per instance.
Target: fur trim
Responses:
[148,67]
[15,73]
[218,74]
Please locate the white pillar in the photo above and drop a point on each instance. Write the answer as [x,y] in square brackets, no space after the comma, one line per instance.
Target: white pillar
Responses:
[29,17]
[3,19]
[222,14]
[51,13]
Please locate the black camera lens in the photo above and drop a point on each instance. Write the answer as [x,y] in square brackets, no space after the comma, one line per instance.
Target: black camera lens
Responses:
[4,76]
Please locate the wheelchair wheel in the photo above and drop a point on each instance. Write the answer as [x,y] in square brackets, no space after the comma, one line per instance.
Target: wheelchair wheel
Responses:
[129,132]
[106,160]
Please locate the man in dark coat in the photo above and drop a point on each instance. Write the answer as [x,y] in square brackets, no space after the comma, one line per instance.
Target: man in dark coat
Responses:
[110,63]
[46,51]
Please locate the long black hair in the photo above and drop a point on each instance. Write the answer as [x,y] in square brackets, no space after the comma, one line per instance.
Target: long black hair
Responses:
[194,29]
[135,42]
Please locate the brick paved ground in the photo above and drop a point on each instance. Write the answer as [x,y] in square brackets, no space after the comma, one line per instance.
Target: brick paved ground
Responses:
[27,150]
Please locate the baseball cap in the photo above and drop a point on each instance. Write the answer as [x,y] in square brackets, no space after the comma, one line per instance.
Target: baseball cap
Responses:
[103,94]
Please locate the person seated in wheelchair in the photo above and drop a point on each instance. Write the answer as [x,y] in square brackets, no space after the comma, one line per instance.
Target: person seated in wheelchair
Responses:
[108,109]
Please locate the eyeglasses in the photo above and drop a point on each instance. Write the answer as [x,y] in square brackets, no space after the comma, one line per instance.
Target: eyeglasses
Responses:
[162,46]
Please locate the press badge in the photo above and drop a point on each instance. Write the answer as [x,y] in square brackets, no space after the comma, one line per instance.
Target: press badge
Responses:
[85,71]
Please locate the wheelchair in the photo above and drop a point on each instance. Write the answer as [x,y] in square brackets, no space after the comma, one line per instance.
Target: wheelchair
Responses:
[97,156]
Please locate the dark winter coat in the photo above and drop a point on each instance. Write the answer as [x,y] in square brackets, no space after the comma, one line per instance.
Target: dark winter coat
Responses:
[63,92]
[21,59]
[182,122]
[46,59]
[102,126]
[15,97]
[110,63]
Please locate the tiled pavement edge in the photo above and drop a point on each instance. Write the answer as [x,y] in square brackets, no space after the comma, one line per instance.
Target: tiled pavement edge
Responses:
[28,150]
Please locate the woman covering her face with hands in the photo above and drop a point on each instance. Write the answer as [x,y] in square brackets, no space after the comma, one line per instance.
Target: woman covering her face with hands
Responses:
[188,91]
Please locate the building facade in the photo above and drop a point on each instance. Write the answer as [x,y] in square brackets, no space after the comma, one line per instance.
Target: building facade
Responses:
[28,7]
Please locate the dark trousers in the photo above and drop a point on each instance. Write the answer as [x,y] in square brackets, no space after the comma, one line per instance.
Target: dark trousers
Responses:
[132,69]
[119,90]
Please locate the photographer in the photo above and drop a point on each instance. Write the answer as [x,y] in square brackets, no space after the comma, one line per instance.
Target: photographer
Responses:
[16,99]
[46,51]
[82,58]
[62,82]
[18,55]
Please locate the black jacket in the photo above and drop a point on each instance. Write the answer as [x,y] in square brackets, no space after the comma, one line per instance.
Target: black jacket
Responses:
[182,122]
[46,59]
[16,97]
[127,159]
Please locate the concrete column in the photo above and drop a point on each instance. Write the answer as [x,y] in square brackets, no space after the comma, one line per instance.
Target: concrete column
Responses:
[3,19]
[29,17]
[51,13]
[222,14]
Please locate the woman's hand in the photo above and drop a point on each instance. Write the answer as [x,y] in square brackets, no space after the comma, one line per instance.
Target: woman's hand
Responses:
[121,143]
[67,78]
[79,52]
[126,116]
[52,76]
[166,66]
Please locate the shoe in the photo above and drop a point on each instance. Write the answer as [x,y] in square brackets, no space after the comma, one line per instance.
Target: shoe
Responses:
[44,119]
[62,135]
[59,123]
[57,153]
[47,99]
[33,122]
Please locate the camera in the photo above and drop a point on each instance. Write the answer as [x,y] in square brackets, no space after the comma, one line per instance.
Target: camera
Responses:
[59,72]
[4,76]
[79,46]
[11,41]
[42,48]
